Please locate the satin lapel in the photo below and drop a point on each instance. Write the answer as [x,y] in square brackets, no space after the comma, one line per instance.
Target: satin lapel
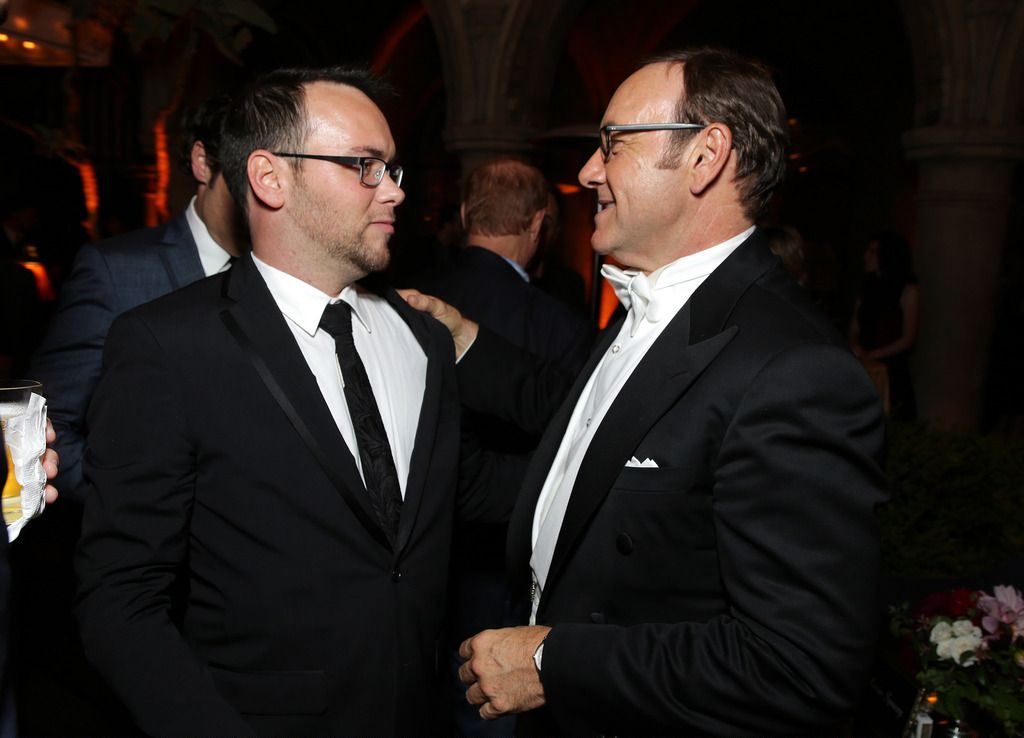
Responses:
[426,427]
[520,528]
[670,366]
[262,331]
[180,256]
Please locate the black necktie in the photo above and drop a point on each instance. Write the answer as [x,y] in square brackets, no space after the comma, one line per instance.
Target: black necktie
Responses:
[379,472]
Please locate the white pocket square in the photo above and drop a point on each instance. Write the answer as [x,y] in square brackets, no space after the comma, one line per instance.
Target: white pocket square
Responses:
[635,463]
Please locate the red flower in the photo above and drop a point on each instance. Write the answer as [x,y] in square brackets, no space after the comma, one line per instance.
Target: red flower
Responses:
[953,604]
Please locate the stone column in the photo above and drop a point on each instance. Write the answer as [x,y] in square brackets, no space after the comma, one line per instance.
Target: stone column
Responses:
[499,60]
[963,203]
[969,90]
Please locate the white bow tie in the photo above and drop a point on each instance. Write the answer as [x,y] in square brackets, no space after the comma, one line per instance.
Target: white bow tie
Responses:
[636,293]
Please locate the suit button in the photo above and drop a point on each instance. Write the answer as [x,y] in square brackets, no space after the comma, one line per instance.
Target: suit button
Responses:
[396,574]
[624,544]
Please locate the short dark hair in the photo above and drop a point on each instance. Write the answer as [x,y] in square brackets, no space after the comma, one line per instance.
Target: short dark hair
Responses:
[204,122]
[502,195]
[270,114]
[720,86]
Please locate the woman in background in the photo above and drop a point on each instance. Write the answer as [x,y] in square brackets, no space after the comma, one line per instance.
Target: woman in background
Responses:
[886,317]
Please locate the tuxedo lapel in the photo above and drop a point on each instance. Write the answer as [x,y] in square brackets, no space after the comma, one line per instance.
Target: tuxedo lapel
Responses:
[521,523]
[689,344]
[426,428]
[671,366]
[256,323]
[180,257]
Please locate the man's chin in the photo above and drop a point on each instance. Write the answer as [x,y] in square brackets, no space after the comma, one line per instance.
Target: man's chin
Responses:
[600,243]
[375,259]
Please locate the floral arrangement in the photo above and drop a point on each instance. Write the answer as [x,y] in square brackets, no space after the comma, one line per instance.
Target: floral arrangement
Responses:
[970,648]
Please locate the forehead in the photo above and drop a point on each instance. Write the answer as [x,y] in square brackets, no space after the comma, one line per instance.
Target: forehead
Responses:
[340,116]
[649,95]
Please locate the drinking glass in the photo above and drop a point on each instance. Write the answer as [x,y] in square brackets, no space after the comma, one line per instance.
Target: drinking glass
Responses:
[14,397]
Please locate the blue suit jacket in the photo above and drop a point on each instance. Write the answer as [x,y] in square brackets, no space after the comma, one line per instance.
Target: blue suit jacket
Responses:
[108,279]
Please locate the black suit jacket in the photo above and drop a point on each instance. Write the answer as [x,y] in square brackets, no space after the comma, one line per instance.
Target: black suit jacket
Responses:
[487,289]
[108,278]
[731,590]
[217,466]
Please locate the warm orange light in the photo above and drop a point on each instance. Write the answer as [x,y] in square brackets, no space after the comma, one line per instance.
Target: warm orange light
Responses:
[20,22]
[792,121]
[794,156]
[163,171]
[567,189]
[4,37]
[44,287]
[932,698]
[804,170]
[91,195]
[29,45]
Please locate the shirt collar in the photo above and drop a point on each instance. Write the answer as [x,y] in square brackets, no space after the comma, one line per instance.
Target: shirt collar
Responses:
[212,256]
[698,265]
[304,304]
[518,267]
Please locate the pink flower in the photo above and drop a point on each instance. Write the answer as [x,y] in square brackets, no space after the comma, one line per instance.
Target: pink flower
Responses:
[1006,607]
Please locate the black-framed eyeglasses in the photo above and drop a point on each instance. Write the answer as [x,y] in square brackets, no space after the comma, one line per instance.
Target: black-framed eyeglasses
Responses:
[371,168]
[607,131]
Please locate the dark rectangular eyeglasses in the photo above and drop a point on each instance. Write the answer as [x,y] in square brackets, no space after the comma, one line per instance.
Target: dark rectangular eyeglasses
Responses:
[608,130]
[371,168]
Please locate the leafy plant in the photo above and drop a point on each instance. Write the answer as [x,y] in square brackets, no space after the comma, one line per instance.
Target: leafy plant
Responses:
[957,502]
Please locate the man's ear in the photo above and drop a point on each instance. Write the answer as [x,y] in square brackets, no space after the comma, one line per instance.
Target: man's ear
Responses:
[536,222]
[267,178]
[197,160]
[709,158]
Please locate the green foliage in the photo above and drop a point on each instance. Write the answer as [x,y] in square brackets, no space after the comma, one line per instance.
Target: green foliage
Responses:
[957,502]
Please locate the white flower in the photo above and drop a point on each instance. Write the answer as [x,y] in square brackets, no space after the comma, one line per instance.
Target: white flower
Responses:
[941,632]
[953,641]
[963,628]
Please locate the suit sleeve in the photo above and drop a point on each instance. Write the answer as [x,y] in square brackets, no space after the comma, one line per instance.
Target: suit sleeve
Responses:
[510,383]
[796,483]
[69,359]
[134,542]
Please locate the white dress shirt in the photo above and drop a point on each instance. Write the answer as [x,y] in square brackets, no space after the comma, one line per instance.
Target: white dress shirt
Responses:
[394,361]
[671,286]
[213,258]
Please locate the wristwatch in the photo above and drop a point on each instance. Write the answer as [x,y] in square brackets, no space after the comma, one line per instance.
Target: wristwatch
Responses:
[538,656]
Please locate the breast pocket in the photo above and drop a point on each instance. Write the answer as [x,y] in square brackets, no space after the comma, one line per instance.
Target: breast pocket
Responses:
[663,505]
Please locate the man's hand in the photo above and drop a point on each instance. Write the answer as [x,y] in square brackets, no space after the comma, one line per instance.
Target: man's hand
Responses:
[463,329]
[51,463]
[500,672]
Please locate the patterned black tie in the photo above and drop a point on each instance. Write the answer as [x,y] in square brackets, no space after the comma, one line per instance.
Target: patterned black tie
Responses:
[379,472]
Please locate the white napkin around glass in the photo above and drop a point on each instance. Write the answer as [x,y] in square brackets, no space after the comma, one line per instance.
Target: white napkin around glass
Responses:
[25,435]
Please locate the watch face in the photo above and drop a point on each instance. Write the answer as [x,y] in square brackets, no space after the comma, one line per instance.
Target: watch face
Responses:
[538,655]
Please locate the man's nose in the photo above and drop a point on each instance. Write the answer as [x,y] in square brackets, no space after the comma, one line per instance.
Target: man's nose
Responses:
[592,173]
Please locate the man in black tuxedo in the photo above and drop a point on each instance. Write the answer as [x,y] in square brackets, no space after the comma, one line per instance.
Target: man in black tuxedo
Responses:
[275,452]
[696,524]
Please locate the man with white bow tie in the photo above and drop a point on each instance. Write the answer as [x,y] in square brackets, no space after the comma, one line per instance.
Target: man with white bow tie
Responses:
[695,527]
